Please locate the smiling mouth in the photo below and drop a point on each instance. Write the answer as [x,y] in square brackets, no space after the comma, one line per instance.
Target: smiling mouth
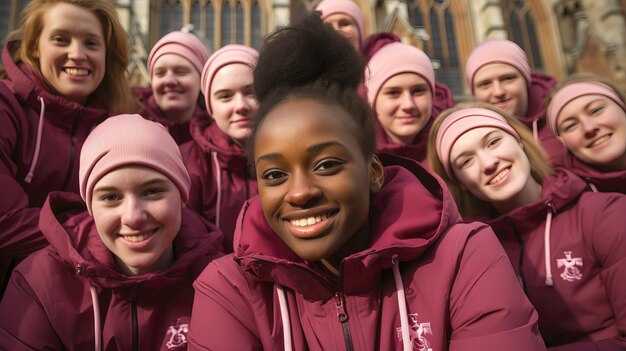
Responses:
[599,140]
[76,71]
[135,238]
[305,222]
[500,176]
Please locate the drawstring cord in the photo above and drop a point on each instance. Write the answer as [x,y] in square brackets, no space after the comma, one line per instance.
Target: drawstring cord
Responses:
[218,177]
[593,187]
[284,315]
[96,318]
[536,129]
[404,317]
[31,171]
[546,247]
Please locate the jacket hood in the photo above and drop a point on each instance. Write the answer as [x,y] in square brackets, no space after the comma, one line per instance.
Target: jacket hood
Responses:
[614,181]
[396,230]
[557,192]
[210,138]
[540,88]
[31,87]
[72,234]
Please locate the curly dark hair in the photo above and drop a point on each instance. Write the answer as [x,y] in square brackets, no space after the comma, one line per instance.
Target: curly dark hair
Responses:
[310,60]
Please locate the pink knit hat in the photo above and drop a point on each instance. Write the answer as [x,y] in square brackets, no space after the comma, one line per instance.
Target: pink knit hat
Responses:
[575,90]
[496,51]
[348,7]
[232,53]
[393,59]
[130,140]
[186,45]
[458,123]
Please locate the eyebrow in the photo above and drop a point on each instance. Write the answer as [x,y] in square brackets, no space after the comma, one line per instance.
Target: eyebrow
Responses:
[149,182]
[225,90]
[311,149]
[483,139]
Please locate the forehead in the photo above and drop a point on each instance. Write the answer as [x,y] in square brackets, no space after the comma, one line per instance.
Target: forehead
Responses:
[494,70]
[70,17]
[172,60]
[304,122]
[232,75]
[579,103]
[405,79]
[337,17]
[130,175]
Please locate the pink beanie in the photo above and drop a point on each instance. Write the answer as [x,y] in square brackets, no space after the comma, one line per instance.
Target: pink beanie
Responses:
[393,59]
[347,7]
[186,45]
[130,140]
[458,123]
[575,90]
[496,51]
[232,53]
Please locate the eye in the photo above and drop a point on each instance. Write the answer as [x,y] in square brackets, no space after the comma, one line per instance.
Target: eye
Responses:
[418,91]
[493,142]
[273,176]
[93,44]
[59,39]
[568,126]
[109,198]
[224,97]
[153,192]
[463,162]
[483,85]
[509,78]
[392,93]
[181,72]
[329,166]
[596,110]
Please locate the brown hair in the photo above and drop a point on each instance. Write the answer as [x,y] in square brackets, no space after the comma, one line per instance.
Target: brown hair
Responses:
[114,90]
[468,204]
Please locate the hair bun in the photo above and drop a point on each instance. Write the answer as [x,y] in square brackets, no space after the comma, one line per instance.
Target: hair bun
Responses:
[304,53]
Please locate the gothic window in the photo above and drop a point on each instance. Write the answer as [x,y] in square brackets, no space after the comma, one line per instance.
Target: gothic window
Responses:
[257,35]
[437,19]
[520,25]
[10,13]
[226,23]
[171,17]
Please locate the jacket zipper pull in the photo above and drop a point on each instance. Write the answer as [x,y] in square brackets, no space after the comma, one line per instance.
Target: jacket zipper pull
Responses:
[342,316]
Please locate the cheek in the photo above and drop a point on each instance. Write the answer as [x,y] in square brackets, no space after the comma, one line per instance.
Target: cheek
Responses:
[425,105]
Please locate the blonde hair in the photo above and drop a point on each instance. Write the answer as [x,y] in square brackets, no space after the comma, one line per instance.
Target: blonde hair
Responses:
[467,203]
[114,90]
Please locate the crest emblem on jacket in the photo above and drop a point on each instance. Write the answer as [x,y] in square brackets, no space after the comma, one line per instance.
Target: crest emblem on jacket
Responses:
[177,336]
[417,332]
[571,271]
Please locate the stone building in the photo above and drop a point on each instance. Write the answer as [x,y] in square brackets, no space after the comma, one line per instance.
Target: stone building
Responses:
[560,36]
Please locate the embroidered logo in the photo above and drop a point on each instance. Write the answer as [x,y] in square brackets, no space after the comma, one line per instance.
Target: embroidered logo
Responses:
[417,333]
[177,336]
[571,271]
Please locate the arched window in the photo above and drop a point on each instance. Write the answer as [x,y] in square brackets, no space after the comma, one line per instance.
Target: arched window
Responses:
[10,13]
[171,17]
[520,26]
[240,19]
[257,35]
[436,18]
[226,27]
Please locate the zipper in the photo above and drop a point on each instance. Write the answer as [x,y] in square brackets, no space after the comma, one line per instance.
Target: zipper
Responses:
[70,169]
[520,264]
[135,324]
[342,316]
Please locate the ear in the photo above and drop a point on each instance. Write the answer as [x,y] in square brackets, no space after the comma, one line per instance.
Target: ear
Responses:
[376,174]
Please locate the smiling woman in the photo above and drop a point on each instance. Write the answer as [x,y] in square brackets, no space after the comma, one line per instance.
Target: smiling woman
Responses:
[65,73]
[129,253]
[546,222]
[331,255]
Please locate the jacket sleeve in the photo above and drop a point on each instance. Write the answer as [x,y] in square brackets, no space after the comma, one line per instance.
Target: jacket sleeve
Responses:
[221,318]
[24,324]
[604,227]
[488,309]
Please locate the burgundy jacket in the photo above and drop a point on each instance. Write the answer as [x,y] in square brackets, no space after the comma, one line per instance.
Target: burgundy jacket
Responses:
[417,151]
[585,232]
[220,178]
[49,304]
[460,291]
[150,110]
[536,119]
[41,135]
[598,180]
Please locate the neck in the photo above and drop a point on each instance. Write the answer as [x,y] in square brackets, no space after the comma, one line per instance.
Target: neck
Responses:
[179,116]
[530,193]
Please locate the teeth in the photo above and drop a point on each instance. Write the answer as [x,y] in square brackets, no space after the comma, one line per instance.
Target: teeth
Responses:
[600,140]
[303,222]
[136,238]
[76,71]
[500,176]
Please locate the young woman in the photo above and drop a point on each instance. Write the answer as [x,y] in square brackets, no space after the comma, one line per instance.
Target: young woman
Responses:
[216,158]
[345,17]
[400,89]
[330,255]
[498,73]
[175,64]
[64,75]
[588,115]
[118,272]
[566,245]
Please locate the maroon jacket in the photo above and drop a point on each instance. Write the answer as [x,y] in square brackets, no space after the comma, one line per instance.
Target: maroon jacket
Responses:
[461,293]
[41,135]
[586,305]
[417,151]
[48,304]
[536,118]
[179,131]
[220,179]
[602,181]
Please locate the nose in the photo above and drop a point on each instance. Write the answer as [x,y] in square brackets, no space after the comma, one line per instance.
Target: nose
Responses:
[488,162]
[242,104]
[76,51]
[407,103]
[134,215]
[302,192]
[589,127]
[497,89]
